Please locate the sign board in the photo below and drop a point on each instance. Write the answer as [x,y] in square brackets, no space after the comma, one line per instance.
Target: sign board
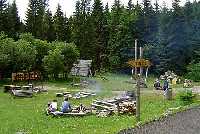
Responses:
[139,63]
[25,76]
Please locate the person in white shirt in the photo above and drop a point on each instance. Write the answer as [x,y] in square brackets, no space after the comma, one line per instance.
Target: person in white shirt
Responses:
[53,106]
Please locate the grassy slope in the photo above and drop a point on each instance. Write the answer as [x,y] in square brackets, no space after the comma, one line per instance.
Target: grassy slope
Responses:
[27,115]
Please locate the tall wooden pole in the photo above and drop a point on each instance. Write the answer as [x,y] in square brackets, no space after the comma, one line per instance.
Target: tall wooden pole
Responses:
[137,86]
[138,98]
[141,54]
[135,56]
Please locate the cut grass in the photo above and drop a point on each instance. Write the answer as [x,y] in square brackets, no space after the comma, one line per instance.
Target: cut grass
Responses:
[28,115]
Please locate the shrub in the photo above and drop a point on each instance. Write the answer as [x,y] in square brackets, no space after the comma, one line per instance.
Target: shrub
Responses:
[186,97]
[194,72]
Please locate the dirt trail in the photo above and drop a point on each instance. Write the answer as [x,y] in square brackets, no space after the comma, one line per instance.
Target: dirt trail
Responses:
[186,122]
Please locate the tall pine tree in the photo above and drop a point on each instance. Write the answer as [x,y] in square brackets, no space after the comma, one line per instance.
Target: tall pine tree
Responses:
[48,27]
[3,6]
[60,25]
[99,39]
[34,17]
[14,24]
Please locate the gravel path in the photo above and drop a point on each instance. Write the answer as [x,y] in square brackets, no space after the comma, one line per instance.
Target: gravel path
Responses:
[186,122]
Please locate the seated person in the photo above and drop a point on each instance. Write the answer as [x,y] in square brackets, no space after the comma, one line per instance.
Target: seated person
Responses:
[157,85]
[51,106]
[66,107]
[81,108]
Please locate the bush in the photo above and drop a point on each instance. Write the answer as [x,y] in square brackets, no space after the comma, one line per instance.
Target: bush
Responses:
[60,59]
[194,72]
[186,97]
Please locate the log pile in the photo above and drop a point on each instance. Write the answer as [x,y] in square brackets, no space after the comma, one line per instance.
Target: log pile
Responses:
[120,105]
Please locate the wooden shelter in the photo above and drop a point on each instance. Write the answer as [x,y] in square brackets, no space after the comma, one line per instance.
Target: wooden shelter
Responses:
[82,68]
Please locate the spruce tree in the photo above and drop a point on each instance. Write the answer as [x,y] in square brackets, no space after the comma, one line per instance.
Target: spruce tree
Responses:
[83,30]
[98,22]
[48,27]
[14,24]
[3,6]
[130,6]
[178,49]
[34,17]
[59,24]
[106,33]
[77,22]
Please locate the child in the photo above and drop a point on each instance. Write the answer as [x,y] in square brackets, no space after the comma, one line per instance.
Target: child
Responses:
[51,107]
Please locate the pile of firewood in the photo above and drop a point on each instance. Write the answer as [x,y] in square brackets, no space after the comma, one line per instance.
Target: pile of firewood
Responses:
[123,105]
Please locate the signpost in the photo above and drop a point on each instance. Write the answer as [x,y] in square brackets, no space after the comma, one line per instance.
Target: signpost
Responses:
[135,64]
[138,63]
[22,76]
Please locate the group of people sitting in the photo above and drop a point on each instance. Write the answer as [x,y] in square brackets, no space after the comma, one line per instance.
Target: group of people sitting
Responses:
[158,86]
[52,107]
[187,83]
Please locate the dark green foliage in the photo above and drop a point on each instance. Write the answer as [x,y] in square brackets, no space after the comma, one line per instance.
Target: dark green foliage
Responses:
[106,36]
[100,40]
[3,6]
[25,56]
[61,26]
[186,97]
[13,25]
[48,27]
[30,54]
[60,59]
[6,53]
[194,72]
[34,17]
[54,62]
[71,54]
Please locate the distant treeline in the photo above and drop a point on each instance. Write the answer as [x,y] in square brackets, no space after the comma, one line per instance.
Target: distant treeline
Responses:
[171,37]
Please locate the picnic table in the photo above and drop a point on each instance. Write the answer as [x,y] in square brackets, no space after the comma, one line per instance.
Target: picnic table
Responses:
[8,88]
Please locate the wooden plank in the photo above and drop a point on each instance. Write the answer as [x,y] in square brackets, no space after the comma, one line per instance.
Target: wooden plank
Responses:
[105,103]
[102,106]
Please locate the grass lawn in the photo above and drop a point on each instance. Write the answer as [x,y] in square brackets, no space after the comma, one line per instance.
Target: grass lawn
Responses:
[27,115]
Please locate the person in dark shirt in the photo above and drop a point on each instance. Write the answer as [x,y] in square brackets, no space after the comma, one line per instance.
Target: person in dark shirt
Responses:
[157,85]
[166,85]
[66,107]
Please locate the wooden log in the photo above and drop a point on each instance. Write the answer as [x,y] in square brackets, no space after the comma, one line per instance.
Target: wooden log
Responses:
[102,107]
[105,103]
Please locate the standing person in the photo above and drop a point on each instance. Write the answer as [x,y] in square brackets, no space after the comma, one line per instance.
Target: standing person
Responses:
[66,107]
[165,86]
